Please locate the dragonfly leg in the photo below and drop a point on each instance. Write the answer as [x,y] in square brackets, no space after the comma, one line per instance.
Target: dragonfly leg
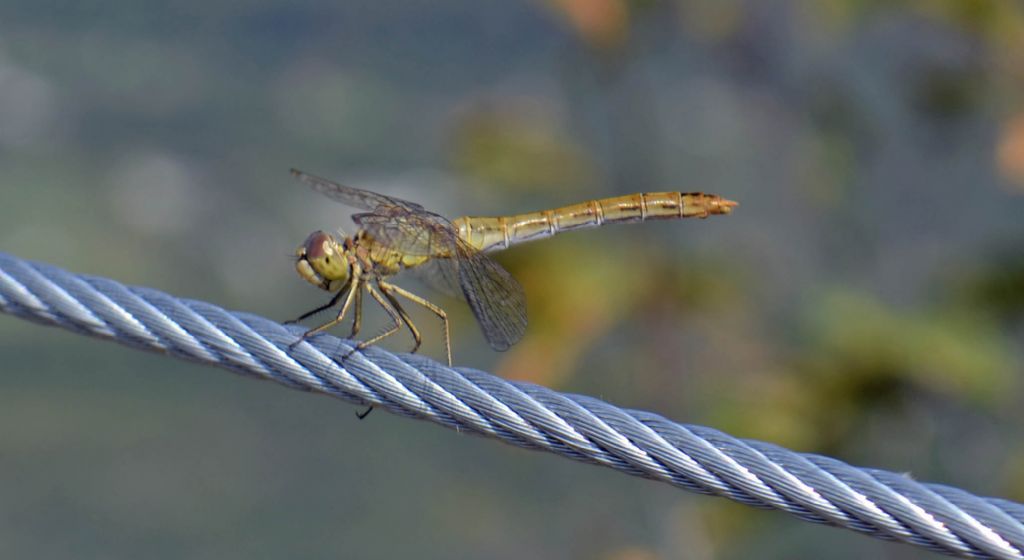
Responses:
[357,321]
[328,305]
[433,308]
[356,287]
[396,318]
[386,289]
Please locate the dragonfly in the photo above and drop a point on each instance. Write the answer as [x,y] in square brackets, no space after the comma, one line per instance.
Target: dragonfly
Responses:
[453,255]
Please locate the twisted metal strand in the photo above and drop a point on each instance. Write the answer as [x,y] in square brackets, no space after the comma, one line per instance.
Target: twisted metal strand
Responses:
[819,489]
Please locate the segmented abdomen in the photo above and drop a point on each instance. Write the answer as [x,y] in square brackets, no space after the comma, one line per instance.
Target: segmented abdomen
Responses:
[505,231]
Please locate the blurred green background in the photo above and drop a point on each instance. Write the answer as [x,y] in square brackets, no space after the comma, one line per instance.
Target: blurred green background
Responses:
[865,301]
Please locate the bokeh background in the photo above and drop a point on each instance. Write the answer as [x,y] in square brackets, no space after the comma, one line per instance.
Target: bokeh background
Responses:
[865,301]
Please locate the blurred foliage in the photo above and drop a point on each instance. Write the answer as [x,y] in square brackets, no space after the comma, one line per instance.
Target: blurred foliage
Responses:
[996,288]
[989,20]
[602,24]
[506,147]
[959,354]
[1010,155]
[875,357]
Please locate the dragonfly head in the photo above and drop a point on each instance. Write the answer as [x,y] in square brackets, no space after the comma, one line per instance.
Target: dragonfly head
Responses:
[321,261]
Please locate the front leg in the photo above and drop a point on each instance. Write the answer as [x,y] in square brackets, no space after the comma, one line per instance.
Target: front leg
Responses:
[330,304]
[357,321]
[356,287]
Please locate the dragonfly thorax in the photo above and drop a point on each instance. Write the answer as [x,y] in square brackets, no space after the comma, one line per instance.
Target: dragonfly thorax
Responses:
[323,262]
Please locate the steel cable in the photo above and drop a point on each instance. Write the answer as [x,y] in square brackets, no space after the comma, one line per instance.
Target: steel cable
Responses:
[814,488]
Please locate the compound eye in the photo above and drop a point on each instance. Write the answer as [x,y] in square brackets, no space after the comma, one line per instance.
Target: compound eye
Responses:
[317,244]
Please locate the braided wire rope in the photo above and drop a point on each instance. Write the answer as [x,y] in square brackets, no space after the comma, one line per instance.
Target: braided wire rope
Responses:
[814,488]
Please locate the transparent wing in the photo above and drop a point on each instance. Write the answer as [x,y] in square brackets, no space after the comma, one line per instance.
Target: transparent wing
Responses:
[352,196]
[495,297]
[441,276]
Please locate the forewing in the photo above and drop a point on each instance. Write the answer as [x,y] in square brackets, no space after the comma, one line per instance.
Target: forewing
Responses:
[352,196]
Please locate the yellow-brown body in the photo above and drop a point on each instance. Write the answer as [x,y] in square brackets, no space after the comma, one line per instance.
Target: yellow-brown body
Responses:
[411,236]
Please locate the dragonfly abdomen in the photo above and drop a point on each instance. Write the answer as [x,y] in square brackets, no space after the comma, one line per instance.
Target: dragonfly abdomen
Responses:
[505,231]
